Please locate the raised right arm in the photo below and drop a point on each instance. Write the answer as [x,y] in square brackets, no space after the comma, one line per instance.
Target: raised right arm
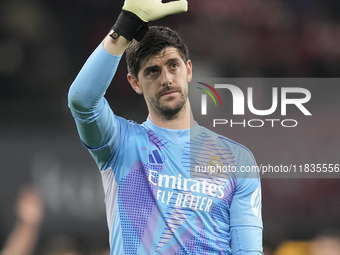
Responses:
[90,109]
[97,126]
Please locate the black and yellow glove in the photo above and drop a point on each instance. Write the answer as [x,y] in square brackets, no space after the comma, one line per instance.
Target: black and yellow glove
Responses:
[135,15]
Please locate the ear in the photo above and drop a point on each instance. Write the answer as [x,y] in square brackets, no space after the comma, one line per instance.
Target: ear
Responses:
[189,70]
[134,84]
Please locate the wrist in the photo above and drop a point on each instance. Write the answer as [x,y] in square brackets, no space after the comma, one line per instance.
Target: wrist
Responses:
[130,26]
[117,46]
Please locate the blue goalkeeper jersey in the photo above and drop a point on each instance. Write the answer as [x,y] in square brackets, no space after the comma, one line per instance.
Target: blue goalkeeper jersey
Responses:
[166,191]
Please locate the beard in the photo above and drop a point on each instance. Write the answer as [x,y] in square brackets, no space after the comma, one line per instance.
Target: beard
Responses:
[168,110]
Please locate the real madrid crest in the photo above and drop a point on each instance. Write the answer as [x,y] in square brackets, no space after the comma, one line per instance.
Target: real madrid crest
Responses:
[214,165]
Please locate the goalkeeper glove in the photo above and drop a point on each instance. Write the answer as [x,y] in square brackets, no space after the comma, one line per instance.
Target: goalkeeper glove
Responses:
[132,22]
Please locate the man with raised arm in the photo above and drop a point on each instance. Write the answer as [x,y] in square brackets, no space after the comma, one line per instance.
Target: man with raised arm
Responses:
[156,203]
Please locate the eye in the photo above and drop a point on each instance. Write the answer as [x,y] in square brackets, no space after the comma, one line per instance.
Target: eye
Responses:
[174,65]
[151,72]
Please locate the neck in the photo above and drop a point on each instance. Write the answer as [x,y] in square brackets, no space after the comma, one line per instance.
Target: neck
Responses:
[182,120]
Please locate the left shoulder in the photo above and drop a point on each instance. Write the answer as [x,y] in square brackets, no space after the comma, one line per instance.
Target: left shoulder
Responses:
[227,142]
[239,150]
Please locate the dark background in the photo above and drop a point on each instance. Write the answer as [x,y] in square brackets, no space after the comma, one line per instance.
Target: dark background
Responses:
[43,45]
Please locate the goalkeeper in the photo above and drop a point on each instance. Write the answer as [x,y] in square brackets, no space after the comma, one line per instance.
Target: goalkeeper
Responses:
[154,203]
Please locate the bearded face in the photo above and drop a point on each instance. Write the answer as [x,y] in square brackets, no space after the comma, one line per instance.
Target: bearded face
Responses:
[163,80]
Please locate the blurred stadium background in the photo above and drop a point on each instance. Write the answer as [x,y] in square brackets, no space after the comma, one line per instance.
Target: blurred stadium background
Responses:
[43,45]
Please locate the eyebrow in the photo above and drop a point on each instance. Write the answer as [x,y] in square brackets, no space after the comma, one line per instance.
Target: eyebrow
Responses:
[170,60]
[149,68]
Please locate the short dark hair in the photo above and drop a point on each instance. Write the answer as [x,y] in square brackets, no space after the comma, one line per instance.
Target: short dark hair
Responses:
[154,41]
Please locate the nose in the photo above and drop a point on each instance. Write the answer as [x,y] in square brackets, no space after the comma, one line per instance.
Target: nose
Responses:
[166,78]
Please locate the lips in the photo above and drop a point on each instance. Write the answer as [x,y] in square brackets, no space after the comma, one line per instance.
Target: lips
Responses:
[169,92]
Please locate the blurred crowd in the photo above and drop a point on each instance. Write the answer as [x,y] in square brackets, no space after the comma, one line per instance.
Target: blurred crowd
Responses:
[24,237]
[43,45]
[25,234]
[326,242]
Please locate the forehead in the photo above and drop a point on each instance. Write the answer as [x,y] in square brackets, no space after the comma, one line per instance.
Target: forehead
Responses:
[161,57]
